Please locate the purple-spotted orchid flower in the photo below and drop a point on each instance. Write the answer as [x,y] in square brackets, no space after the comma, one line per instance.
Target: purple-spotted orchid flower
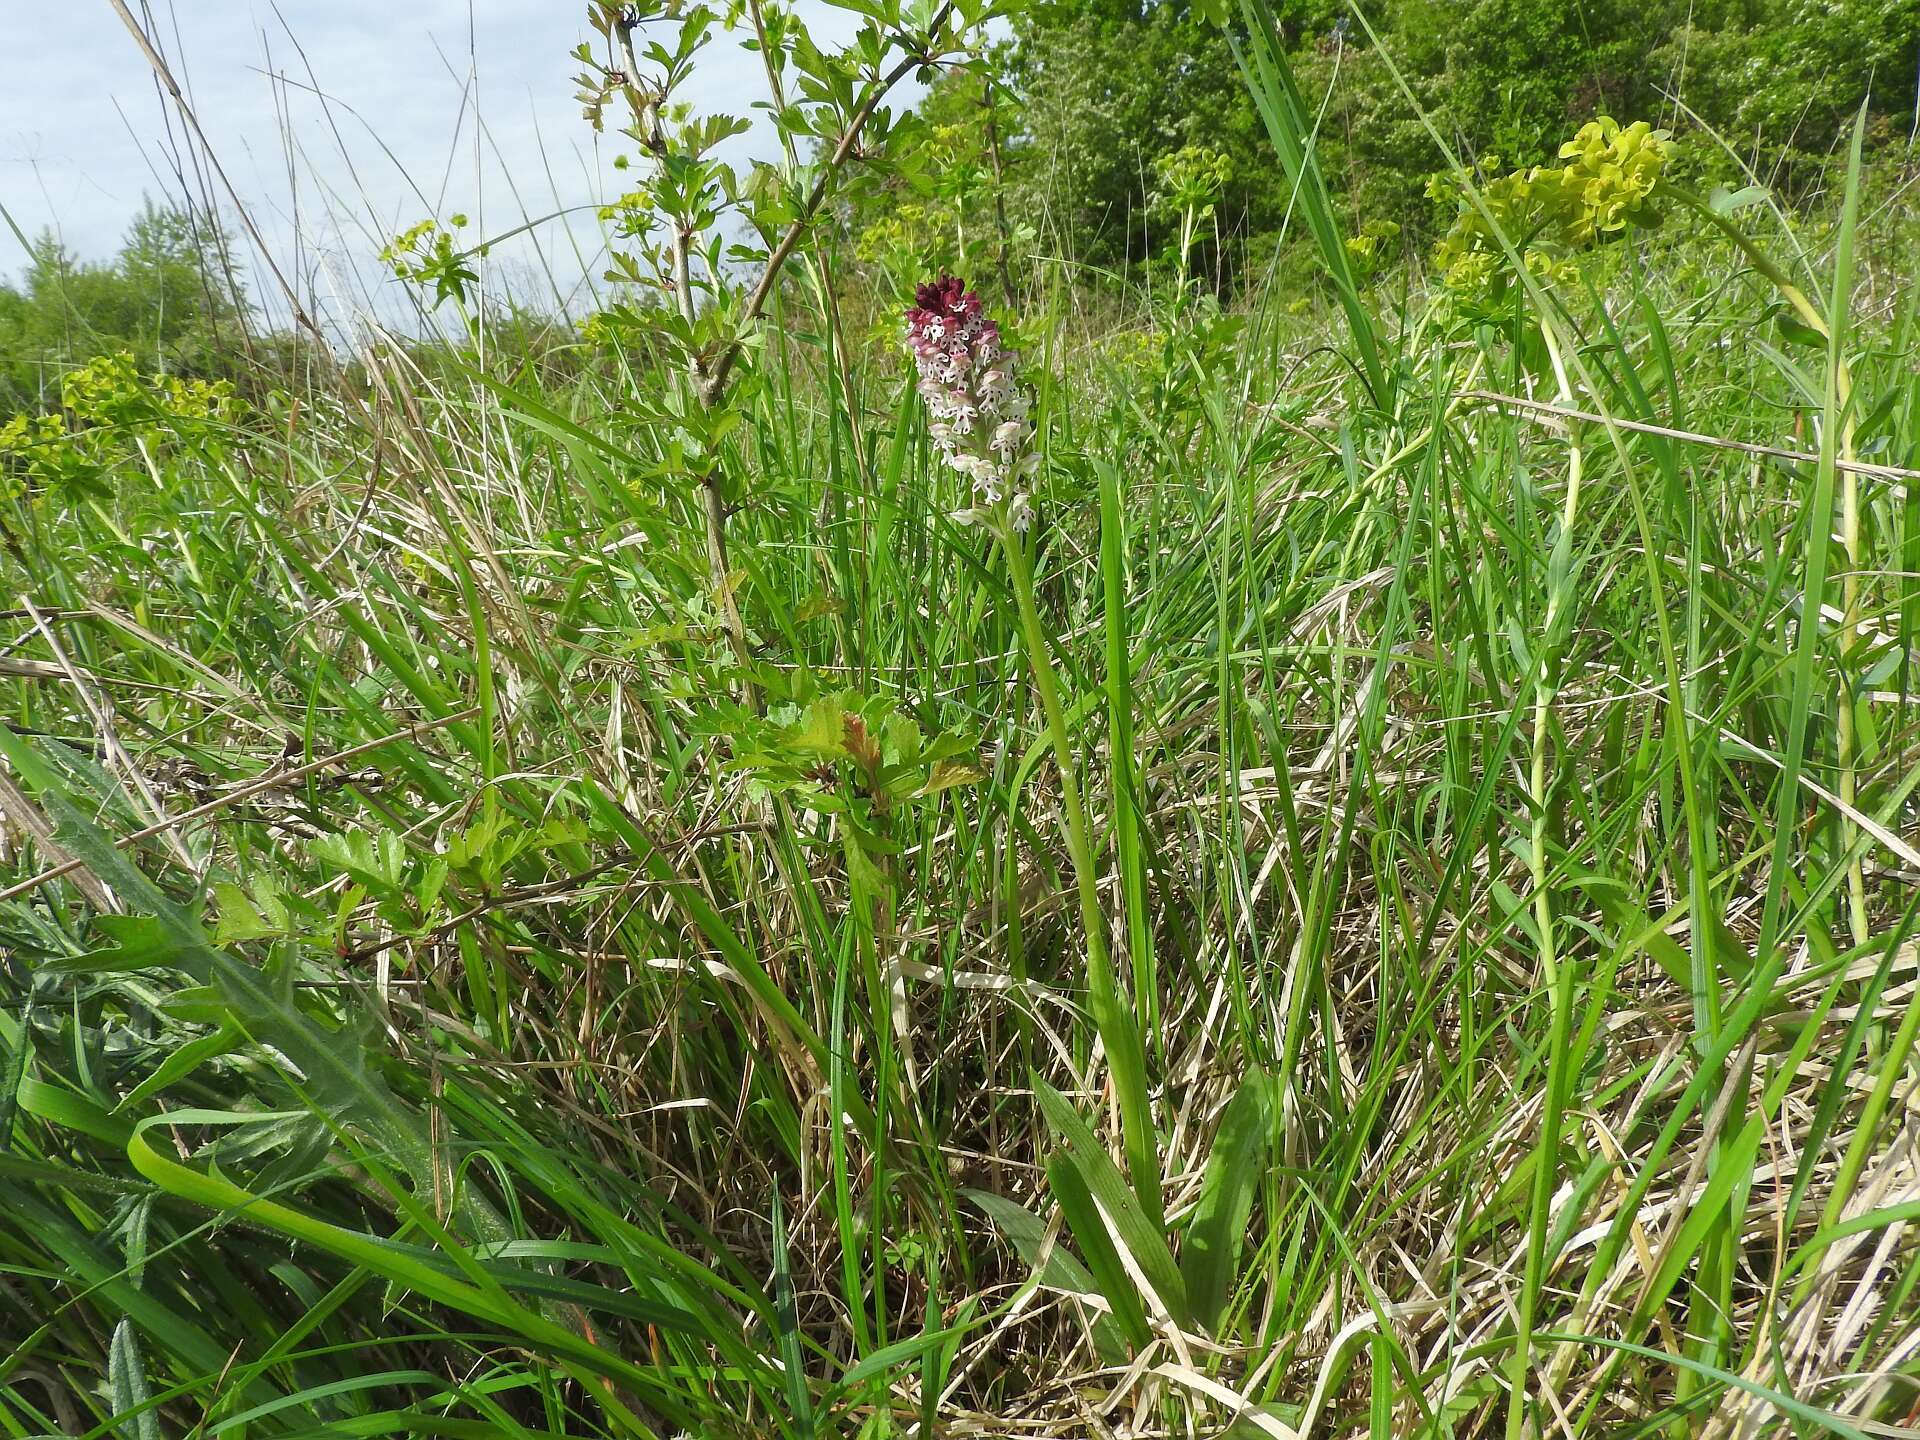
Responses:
[978,416]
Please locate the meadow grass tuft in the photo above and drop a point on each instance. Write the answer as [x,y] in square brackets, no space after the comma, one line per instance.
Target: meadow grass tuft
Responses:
[1388,908]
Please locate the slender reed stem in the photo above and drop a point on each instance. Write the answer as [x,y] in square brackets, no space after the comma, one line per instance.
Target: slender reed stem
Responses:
[1539,785]
[1114,1019]
[1846,740]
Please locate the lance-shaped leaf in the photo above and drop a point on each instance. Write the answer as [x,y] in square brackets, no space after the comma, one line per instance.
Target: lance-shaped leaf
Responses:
[1119,1207]
[1210,1254]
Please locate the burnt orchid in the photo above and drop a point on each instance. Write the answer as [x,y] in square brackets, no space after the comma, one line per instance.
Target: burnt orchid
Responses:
[979,420]
[980,425]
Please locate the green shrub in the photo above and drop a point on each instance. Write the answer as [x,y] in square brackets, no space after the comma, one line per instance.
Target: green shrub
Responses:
[169,297]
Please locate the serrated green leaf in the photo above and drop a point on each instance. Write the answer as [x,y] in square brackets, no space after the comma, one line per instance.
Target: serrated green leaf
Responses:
[14,1073]
[181,1063]
[239,919]
[332,1065]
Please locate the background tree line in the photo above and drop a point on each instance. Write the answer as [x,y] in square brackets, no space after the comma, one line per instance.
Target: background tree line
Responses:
[1103,95]
[1102,130]
[170,297]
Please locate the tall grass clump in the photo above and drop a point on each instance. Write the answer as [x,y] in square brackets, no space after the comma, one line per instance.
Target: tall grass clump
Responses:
[836,852]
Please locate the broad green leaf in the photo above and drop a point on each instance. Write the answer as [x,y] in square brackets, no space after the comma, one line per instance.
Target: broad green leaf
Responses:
[1119,1206]
[134,1416]
[1111,1282]
[1210,1253]
[1061,1270]
[240,919]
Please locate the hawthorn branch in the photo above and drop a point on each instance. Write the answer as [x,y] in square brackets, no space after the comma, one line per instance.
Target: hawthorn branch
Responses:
[715,384]
[710,382]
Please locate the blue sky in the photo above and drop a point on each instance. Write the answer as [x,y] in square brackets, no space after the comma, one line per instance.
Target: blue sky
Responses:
[83,132]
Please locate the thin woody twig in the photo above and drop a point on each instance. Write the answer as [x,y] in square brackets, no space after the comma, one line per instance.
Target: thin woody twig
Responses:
[1692,437]
[763,292]
[522,896]
[272,781]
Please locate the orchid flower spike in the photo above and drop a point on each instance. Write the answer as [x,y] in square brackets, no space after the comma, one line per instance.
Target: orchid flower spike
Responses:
[979,419]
